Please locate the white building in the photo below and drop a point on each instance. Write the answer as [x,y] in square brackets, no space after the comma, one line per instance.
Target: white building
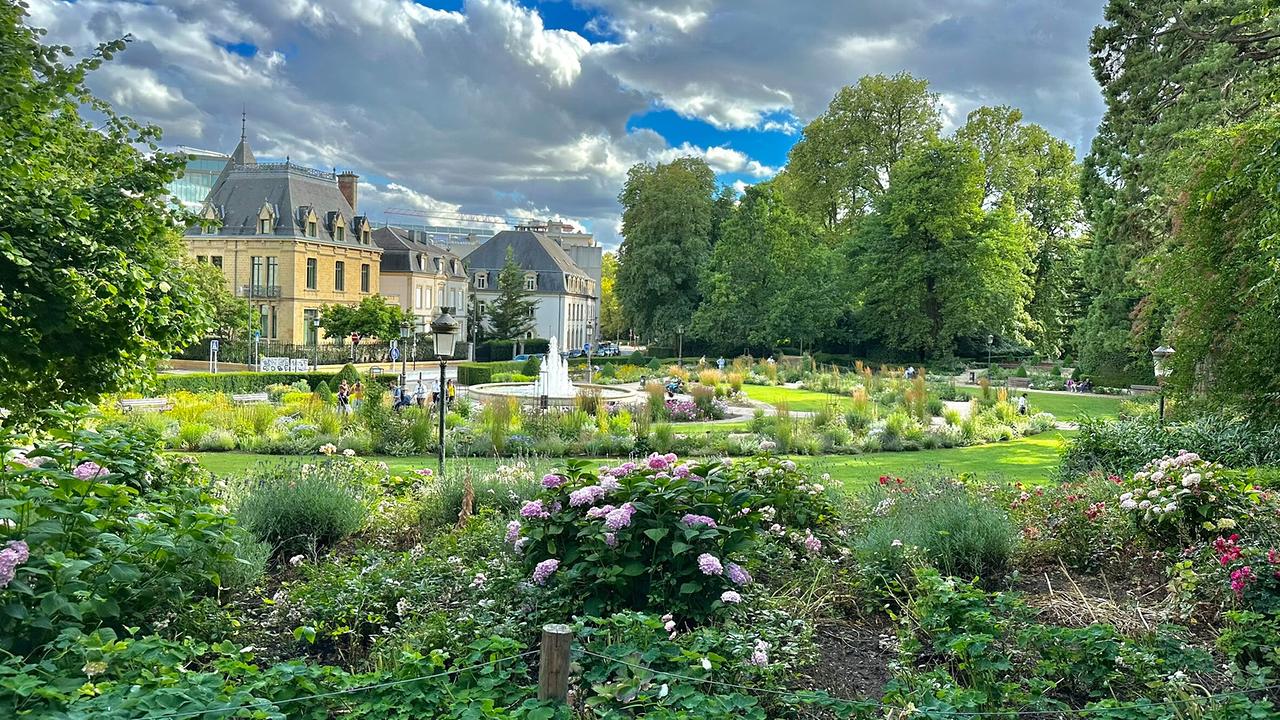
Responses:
[565,293]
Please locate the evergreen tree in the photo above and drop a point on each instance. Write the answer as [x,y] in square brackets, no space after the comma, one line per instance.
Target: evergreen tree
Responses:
[511,314]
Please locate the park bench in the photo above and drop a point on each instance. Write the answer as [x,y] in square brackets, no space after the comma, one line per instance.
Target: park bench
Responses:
[158,404]
[1144,389]
[250,398]
[1019,382]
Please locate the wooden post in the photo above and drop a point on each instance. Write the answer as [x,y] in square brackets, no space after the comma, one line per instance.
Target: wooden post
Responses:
[553,663]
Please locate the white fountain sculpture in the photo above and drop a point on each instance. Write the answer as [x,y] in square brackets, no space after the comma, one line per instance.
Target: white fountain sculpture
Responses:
[553,378]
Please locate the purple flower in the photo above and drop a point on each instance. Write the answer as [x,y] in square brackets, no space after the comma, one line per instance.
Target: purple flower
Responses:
[681,471]
[620,518]
[551,480]
[811,543]
[737,574]
[670,458]
[15,554]
[89,470]
[513,531]
[693,520]
[760,654]
[657,462]
[588,495]
[611,539]
[609,484]
[544,570]
[729,596]
[709,564]
[534,509]
[596,513]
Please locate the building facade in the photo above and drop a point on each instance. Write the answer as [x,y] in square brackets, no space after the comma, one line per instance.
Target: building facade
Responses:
[201,173]
[421,277]
[289,241]
[566,295]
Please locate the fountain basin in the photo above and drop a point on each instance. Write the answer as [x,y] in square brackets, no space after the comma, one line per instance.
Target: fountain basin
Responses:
[527,393]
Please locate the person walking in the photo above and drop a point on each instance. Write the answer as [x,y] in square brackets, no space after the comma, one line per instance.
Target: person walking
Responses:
[451,391]
[344,398]
[1022,404]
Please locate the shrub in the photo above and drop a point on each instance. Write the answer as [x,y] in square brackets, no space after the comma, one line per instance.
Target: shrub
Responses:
[324,393]
[663,439]
[1122,447]
[531,367]
[217,440]
[959,531]
[348,374]
[190,434]
[297,507]
[660,534]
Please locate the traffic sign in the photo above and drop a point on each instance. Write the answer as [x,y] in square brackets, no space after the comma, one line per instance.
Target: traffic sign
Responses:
[213,346]
[586,347]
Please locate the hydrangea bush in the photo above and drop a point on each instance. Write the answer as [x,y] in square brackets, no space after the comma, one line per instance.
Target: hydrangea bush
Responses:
[663,534]
[1182,497]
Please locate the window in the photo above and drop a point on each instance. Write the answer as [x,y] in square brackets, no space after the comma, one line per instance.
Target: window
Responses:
[340,234]
[311,228]
[530,281]
[255,272]
[274,324]
[482,281]
[216,260]
[419,258]
[339,276]
[313,279]
[263,317]
[264,226]
[273,273]
[417,302]
[364,277]
[309,318]
[364,236]
[201,258]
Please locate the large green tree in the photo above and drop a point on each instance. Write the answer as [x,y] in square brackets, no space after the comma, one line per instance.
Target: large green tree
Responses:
[932,265]
[230,315]
[1165,67]
[373,317]
[667,212]
[842,163]
[612,324]
[92,290]
[511,313]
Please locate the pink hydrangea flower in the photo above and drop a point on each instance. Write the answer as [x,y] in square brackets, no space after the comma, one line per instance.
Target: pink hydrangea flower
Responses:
[551,480]
[534,509]
[811,543]
[729,596]
[737,574]
[14,554]
[544,570]
[609,484]
[513,531]
[657,462]
[709,564]
[694,520]
[596,513]
[611,539]
[620,518]
[588,495]
[88,470]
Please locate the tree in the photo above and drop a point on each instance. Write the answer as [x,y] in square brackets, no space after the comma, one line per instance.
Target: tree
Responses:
[842,163]
[92,291]
[612,324]
[666,226]
[932,266]
[476,318]
[230,315]
[1165,67]
[373,317]
[511,314]
[1219,280]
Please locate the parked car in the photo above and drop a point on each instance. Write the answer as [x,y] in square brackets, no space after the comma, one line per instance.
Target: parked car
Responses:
[608,349]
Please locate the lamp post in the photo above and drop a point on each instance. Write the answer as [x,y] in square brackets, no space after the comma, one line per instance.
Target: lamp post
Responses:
[680,345]
[315,348]
[405,329]
[444,330]
[1160,359]
[591,326]
[991,340]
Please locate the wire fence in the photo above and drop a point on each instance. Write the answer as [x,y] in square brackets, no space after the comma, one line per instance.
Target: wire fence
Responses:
[559,665]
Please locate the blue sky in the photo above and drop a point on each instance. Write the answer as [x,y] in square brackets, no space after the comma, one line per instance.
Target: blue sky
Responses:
[535,108]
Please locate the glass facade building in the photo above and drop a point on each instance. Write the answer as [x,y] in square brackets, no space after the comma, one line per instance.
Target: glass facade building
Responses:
[202,171]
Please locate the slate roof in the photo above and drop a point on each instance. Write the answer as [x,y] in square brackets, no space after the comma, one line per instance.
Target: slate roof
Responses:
[400,247]
[533,252]
[291,190]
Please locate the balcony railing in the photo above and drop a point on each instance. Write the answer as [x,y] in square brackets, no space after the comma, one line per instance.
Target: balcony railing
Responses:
[260,291]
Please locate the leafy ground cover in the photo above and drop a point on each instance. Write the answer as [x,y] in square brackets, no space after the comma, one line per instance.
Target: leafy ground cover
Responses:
[1030,460]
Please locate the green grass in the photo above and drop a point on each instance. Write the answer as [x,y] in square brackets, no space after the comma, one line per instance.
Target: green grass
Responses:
[1067,406]
[1028,460]
[796,399]
[692,428]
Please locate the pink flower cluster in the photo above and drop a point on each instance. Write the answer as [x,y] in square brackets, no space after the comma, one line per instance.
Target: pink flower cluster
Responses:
[1228,549]
[545,570]
[621,517]
[14,554]
[534,509]
[709,564]
[737,574]
[760,654]
[552,480]
[694,520]
[513,531]
[89,470]
[1240,579]
[588,495]
[811,543]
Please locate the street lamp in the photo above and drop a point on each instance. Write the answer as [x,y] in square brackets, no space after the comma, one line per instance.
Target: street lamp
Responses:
[315,349]
[591,341]
[680,345]
[1160,359]
[991,340]
[404,361]
[444,330]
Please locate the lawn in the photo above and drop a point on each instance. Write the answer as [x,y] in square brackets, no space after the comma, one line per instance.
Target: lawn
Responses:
[1029,459]
[796,399]
[1069,406]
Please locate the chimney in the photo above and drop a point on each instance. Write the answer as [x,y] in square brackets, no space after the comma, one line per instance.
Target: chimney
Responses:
[349,186]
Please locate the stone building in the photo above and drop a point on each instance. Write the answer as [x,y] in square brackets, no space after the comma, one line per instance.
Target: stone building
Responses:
[421,277]
[289,240]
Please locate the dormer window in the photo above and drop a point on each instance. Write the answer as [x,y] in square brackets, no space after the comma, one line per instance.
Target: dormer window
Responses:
[339,228]
[312,228]
[266,219]
[530,281]
[364,236]
[482,281]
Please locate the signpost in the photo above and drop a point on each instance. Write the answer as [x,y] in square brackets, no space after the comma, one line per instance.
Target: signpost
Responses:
[213,355]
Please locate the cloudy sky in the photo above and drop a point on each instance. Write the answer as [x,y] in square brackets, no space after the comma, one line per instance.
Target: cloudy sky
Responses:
[538,107]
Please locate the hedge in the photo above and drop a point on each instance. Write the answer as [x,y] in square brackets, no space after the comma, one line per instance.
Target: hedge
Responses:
[474,373]
[236,382]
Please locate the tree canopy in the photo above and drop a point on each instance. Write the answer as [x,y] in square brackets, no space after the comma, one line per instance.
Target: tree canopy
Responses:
[373,317]
[92,289]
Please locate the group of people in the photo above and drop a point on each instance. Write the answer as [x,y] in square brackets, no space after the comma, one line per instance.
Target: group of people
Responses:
[420,397]
[1083,386]
[350,396]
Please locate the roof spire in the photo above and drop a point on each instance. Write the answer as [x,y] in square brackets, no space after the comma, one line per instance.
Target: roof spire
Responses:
[243,116]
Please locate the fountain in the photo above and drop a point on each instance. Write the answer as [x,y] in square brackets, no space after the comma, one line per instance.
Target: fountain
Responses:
[553,383]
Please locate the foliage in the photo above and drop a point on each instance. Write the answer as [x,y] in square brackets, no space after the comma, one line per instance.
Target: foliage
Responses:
[231,315]
[662,534]
[1122,447]
[92,291]
[233,382]
[113,531]
[1181,497]
[612,322]
[511,313]
[301,506]
[666,225]
[373,317]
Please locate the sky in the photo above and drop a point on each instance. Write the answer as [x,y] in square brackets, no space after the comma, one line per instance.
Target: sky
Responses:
[537,108]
